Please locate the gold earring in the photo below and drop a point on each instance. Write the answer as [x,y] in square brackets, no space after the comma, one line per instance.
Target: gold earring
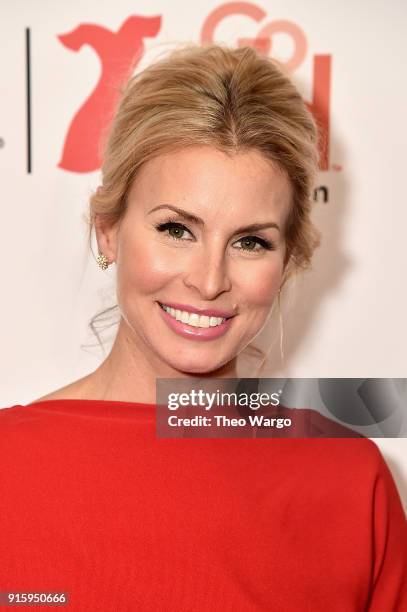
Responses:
[102,261]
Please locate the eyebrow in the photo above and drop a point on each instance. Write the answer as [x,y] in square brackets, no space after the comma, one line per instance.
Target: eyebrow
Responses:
[254,227]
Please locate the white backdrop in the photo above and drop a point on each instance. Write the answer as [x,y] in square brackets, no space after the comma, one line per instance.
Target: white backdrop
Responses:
[344,318]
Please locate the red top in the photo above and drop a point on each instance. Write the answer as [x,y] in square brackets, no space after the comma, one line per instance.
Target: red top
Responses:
[93,504]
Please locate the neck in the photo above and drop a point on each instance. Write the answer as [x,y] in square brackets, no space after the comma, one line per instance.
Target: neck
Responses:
[130,371]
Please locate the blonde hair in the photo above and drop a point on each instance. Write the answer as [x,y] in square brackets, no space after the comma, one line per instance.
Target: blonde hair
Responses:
[231,99]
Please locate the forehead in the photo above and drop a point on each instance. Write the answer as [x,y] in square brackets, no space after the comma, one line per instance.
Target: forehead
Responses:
[207,181]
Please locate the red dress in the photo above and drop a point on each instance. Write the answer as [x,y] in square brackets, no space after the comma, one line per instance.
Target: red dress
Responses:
[94,505]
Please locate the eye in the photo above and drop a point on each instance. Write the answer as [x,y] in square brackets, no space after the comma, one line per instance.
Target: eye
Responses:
[249,243]
[175,230]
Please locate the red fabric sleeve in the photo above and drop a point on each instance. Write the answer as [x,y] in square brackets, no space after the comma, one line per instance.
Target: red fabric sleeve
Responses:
[389,533]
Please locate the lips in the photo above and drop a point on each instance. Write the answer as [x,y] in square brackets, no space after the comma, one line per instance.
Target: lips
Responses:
[193,331]
[210,312]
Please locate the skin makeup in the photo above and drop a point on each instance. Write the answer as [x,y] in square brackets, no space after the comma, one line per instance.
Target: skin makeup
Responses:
[199,260]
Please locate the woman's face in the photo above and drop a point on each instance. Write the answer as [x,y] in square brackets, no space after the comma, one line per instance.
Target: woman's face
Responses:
[203,234]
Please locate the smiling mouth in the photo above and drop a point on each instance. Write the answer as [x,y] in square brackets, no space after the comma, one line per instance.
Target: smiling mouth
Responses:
[192,318]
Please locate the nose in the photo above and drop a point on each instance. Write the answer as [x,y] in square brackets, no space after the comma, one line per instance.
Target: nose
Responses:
[207,272]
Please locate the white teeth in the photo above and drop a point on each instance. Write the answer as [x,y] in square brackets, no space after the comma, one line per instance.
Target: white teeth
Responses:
[203,321]
[184,316]
[194,319]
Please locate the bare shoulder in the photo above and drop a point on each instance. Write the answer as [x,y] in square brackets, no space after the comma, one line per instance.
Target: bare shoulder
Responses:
[79,389]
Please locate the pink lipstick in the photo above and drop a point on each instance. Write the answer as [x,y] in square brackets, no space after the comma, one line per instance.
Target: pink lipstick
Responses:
[191,331]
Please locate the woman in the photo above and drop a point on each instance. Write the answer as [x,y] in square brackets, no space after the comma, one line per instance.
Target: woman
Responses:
[204,208]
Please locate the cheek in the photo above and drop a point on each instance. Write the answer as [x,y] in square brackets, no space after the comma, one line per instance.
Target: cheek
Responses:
[144,267]
[261,285]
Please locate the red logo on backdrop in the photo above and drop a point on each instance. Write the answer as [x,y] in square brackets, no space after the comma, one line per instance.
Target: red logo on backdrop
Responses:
[121,51]
[319,105]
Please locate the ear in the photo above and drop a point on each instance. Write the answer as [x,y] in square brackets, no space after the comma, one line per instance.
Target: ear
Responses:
[106,237]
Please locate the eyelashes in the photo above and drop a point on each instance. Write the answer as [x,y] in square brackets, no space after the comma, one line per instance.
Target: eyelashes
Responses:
[178,230]
[266,244]
[172,225]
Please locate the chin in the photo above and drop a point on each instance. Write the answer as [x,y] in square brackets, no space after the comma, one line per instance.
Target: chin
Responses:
[199,370]
[198,365]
